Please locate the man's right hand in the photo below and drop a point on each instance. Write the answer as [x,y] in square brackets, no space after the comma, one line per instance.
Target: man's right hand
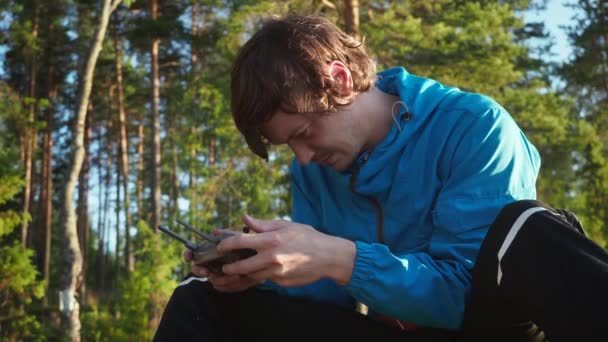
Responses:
[222,283]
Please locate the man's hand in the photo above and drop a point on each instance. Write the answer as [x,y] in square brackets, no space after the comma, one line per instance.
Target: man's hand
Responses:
[225,283]
[290,254]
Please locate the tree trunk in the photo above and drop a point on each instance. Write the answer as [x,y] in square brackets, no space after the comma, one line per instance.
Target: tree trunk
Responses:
[30,133]
[194,22]
[192,182]
[156,157]
[124,151]
[212,152]
[46,179]
[117,261]
[351,18]
[82,222]
[46,198]
[101,273]
[140,168]
[194,32]
[111,151]
[71,277]
[106,203]
[174,187]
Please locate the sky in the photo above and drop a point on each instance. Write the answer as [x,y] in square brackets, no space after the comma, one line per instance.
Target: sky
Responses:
[555,15]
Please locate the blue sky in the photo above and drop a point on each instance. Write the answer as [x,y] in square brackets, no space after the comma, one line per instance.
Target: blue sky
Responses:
[554,16]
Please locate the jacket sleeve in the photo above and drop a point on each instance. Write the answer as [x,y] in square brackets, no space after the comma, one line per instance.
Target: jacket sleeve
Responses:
[486,163]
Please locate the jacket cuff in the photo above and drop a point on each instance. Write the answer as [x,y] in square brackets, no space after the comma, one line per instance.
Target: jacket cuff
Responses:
[364,266]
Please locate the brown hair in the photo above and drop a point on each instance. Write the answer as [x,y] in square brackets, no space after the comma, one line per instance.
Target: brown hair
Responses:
[284,66]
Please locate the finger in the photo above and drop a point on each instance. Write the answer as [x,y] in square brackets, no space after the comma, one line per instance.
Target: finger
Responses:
[220,231]
[265,274]
[253,241]
[187,255]
[260,226]
[249,265]
[200,270]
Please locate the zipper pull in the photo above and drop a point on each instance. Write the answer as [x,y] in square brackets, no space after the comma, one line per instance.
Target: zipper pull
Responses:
[364,158]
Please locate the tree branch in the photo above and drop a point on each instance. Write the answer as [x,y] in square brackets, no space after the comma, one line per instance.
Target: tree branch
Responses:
[115,4]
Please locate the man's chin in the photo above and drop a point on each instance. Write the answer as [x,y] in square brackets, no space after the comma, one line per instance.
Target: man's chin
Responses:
[342,166]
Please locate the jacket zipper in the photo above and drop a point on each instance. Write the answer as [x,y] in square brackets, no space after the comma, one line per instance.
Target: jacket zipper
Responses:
[373,201]
[362,308]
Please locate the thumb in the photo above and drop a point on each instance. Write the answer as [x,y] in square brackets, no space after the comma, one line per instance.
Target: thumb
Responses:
[260,226]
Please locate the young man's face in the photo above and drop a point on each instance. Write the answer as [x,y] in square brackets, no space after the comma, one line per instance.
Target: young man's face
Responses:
[328,139]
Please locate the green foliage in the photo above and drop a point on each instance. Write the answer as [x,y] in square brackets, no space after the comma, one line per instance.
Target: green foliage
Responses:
[17,274]
[22,327]
[18,277]
[467,44]
[98,324]
[142,296]
[585,76]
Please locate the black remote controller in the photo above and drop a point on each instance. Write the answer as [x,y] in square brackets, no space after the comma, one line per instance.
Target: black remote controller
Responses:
[205,252]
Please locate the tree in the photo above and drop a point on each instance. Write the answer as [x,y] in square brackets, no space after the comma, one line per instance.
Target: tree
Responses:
[586,77]
[18,283]
[156,156]
[73,256]
[29,132]
[124,147]
[351,18]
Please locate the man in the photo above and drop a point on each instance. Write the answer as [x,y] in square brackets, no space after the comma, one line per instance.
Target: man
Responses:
[395,182]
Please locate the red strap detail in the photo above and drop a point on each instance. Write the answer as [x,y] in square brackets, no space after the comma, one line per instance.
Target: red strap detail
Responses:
[396,323]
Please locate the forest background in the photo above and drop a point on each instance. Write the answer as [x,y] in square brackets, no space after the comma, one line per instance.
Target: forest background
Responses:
[114,118]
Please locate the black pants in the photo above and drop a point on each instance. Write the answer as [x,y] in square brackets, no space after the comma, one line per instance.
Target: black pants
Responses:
[537,278]
[196,312]
[553,285]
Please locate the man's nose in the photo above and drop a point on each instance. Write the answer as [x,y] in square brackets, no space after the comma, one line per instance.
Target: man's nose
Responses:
[302,152]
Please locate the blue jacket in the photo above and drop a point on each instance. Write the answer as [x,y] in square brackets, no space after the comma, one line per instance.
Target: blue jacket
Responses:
[422,203]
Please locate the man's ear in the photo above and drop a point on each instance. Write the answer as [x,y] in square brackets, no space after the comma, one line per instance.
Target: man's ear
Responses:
[339,73]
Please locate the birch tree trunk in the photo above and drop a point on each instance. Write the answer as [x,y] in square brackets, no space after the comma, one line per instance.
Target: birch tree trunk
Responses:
[71,277]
